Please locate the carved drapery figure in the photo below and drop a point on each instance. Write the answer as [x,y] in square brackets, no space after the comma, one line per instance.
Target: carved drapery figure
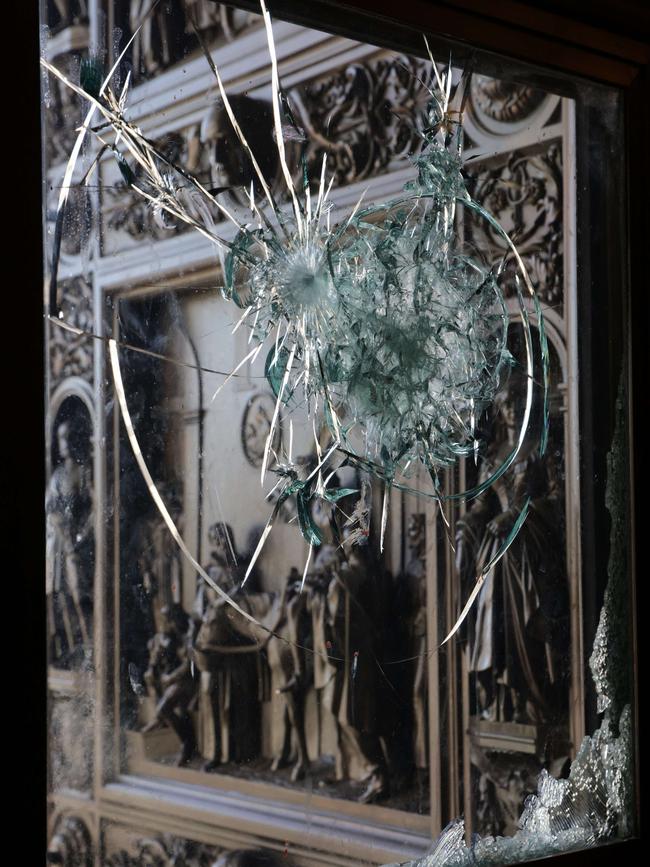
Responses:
[519,640]
[169,678]
[160,561]
[415,581]
[281,635]
[291,670]
[70,544]
[227,682]
[344,620]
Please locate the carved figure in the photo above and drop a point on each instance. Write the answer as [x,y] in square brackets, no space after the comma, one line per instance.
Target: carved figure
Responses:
[415,579]
[169,678]
[520,633]
[216,647]
[289,669]
[342,601]
[70,545]
[218,701]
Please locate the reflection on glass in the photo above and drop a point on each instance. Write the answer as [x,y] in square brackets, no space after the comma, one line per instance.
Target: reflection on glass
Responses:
[336,729]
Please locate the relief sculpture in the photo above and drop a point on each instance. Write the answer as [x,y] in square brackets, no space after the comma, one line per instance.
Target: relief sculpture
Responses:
[344,625]
[70,538]
[318,645]
[519,632]
[227,680]
[169,678]
[520,623]
[416,580]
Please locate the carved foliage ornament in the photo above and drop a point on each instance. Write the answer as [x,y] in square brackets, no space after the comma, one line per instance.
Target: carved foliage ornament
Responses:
[71,843]
[524,192]
[503,101]
[165,851]
[364,116]
[72,354]
[168,851]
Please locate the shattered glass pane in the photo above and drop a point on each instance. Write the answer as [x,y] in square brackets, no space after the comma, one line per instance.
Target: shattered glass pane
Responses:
[318,547]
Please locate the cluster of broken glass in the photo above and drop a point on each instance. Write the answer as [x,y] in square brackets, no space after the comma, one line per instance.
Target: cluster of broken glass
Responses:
[387,325]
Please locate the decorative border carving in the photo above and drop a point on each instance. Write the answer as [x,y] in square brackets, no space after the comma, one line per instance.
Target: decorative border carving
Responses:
[71,355]
[523,189]
[71,843]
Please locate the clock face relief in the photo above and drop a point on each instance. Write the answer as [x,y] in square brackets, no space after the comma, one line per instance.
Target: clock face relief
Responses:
[256,424]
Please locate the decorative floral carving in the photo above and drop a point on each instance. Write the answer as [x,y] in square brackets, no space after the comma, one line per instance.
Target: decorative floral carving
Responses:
[165,851]
[524,192]
[364,116]
[71,844]
[63,114]
[127,211]
[503,101]
[168,851]
[72,354]
[210,151]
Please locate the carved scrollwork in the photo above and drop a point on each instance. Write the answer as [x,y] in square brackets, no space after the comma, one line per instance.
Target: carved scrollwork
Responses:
[127,211]
[164,851]
[71,843]
[524,193]
[503,101]
[72,354]
[364,117]
[210,151]
[168,851]
[63,113]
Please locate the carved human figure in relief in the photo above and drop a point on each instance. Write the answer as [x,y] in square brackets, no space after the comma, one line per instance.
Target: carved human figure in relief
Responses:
[169,678]
[519,626]
[228,682]
[344,597]
[415,581]
[70,545]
